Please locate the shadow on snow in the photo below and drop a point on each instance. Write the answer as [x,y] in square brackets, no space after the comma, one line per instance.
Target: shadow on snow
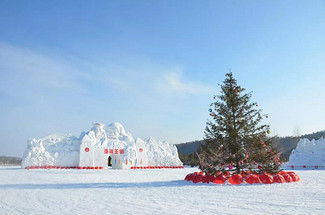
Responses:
[114,185]
[109,185]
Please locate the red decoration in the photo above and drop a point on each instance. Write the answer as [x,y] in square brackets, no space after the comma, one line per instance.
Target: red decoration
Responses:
[259,166]
[121,151]
[105,151]
[252,179]
[294,176]
[236,179]
[211,178]
[220,179]
[86,149]
[266,178]
[111,151]
[287,177]
[141,150]
[116,151]
[278,179]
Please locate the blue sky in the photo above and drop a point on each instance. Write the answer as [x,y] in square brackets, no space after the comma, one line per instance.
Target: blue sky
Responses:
[154,66]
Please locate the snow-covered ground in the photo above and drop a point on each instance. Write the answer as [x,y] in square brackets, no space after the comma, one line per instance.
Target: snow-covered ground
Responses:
[158,191]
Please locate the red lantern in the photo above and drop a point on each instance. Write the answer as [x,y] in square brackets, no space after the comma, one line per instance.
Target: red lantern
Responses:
[278,179]
[236,179]
[187,177]
[252,179]
[211,178]
[287,177]
[220,179]
[205,179]
[266,178]
[294,176]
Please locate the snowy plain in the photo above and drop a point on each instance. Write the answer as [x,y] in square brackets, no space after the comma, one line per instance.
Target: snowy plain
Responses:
[155,191]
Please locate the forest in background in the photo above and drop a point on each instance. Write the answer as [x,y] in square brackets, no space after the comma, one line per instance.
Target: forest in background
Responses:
[7,160]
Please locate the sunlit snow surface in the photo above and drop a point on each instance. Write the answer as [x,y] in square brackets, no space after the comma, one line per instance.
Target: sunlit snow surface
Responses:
[159,191]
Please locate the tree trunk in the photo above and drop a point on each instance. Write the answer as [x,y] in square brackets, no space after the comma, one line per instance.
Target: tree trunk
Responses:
[237,167]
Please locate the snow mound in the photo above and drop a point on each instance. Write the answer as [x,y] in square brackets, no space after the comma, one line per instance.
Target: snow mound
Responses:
[65,150]
[161,153]
[308,153]
[55,150]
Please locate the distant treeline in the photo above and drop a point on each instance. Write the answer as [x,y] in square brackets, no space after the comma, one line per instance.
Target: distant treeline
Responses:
[187,151]
[6,160]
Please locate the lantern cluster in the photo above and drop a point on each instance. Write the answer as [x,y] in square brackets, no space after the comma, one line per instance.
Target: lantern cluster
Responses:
[246,177]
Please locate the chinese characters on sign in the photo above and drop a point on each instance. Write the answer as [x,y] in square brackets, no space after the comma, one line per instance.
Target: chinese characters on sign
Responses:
[113,151]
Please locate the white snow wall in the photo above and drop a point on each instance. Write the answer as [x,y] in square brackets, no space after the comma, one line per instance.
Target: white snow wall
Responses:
[68,150]
[53,150]
[308,154]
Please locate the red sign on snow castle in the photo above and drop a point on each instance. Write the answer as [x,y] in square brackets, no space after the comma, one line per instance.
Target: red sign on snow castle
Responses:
[113,151]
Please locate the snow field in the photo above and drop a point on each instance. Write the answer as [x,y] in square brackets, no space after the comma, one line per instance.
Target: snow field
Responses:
[157,191]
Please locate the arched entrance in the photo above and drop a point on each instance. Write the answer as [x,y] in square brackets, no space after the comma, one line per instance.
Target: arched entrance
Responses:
[109,161]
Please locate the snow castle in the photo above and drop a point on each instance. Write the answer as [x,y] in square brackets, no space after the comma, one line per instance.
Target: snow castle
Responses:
[101,147]
[308,154]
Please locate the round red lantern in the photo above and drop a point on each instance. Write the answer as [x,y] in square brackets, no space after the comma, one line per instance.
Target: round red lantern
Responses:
[86,149]
[252,179]
[278,178]
[236,179]
[266,178]
[220,179]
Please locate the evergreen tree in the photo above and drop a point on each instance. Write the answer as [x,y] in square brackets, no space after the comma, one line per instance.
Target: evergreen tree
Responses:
[236,139]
